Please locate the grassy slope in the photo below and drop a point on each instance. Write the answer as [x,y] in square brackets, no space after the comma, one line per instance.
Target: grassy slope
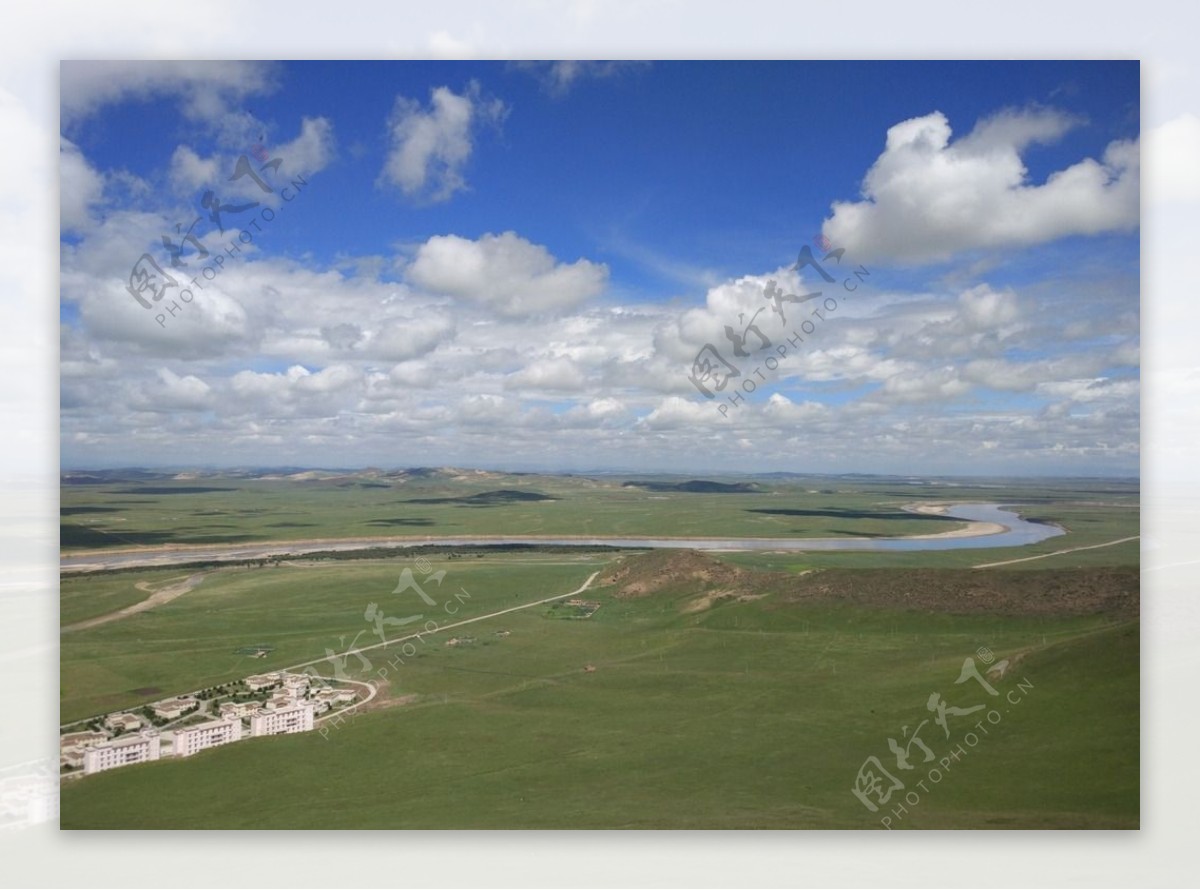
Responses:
[746,715]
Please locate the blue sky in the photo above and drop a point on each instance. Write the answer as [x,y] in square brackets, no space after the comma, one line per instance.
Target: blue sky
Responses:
[510,264]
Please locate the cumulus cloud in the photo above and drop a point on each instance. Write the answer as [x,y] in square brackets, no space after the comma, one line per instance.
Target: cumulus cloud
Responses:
[310,152]
[189,172]
[927,198]
[297,392]
[506,273]
[209,93]
[176,393]
[80,187]
[402,339]
[673,413]
[430,147]
[554,374]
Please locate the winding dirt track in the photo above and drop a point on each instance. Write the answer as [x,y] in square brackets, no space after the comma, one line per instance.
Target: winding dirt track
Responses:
[157,598]
[1008,562]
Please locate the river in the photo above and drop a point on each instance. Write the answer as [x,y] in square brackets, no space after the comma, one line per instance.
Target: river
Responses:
[1017,532]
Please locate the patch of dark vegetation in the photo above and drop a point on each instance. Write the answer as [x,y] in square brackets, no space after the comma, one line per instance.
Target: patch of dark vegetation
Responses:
[110,477]
[82,536]
[75,511]
[488,498]
[363,485]
[291,525]
[1078,591]
[698,486]
[173,489]
[850,514]
[1049,592]
[406,521]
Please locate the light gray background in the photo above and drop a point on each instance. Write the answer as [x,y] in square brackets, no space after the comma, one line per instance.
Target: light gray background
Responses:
[1163,35]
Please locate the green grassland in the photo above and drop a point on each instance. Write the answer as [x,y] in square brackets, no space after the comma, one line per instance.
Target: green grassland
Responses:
[300,609]
[81,598]
[135,513]
[703,709]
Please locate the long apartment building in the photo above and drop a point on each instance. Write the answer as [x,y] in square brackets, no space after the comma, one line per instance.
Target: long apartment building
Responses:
[121,752]
[190,740]
[297,718]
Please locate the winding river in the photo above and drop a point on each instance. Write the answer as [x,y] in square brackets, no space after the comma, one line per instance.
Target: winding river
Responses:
[1013,532]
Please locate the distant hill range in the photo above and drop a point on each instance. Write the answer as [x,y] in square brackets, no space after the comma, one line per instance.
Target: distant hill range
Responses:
[487,498]
[698,486]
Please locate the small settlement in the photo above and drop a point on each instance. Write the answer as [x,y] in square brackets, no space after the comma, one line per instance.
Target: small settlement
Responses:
[184,725]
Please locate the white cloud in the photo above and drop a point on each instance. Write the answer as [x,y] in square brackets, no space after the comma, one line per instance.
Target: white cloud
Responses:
[206,88]
[175,393]
[554,374]
[310,152]
[559,77]
[506,273]
[926,198]
[403,339]
[298,392]
[1097,389]
[80,187]
[430,148]
[780,408]
[605,408]
[673,413]
[983,309]
[189,172]
[935,384]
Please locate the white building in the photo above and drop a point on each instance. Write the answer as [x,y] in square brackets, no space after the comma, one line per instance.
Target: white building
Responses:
[80,739]
[124,722]
[169,709]
[230,709]
[256,682]
[71,757]
[122,752]
[296,683]
[297,718]
[192,739]
[333,696]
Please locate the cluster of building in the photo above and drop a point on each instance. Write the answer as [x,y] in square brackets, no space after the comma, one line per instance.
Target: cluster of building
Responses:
[290,690]
[290,708]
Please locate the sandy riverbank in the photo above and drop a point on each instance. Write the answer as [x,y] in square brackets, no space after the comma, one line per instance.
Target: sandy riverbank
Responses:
[971,530]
